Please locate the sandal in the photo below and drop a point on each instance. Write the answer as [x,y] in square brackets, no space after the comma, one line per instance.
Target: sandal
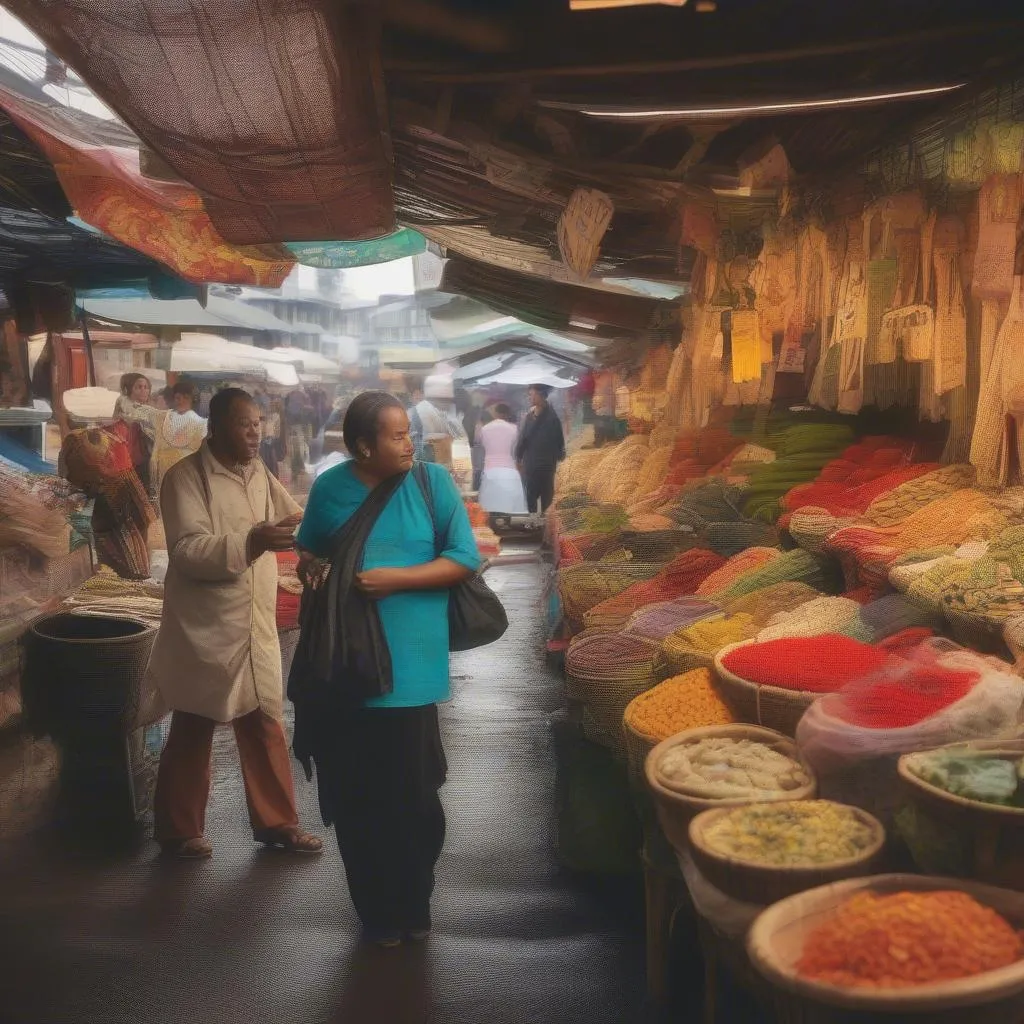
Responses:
[196,848]
[291,840]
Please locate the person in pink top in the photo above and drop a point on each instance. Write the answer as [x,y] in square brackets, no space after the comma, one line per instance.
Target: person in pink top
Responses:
[501,488]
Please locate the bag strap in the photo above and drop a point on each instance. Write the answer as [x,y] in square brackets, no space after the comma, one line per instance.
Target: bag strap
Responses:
[419,471]
[359,524]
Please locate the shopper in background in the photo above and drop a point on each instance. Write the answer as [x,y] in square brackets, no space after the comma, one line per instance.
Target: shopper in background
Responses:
[501,488]
[139,419]
[379,759]
[180,432]
[415,386]
[217,658]
[475,419]
[540,448]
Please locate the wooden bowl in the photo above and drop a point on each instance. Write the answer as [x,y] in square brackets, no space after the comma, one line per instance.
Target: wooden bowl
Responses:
[677,810]
[777,938]
[753,882]
[993,834]
[961,809]
[770,706]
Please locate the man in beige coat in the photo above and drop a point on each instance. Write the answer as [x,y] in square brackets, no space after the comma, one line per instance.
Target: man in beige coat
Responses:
[217,658]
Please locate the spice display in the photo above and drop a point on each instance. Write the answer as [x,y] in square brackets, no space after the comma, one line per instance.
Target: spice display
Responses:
[901,502]
[719,768]
[790,567]
[658,621]
[801,833]
[989,780]
[822,615]
[689,701]
[680,577]
[819,664]
[907,939]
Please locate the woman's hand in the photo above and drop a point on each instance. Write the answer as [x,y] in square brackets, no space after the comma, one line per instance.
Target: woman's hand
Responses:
[381,583]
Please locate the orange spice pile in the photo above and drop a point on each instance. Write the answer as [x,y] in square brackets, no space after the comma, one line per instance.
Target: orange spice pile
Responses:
[907,939]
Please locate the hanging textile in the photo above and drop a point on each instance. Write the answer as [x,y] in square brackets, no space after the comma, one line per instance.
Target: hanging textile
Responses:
[990,444]
[950,336]
[840,383]
[339,255]
[774,281]
[708,379]
[999,210]
[882,278]
[165,220]
[271,110]
[746,346]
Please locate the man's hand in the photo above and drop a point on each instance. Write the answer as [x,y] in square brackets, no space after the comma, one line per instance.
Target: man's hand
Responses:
[381,583]
[270,537]
[312,571]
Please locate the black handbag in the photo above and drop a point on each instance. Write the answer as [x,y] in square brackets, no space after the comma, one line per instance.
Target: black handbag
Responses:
[476,616]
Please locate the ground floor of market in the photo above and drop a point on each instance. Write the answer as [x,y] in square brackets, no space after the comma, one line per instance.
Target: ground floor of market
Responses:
[255,936]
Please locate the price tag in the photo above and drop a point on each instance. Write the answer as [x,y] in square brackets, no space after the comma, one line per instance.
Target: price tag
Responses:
[792,359]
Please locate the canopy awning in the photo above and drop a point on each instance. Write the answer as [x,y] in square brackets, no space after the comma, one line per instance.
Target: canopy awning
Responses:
[218,312]
[518,369]
[308,362]
[207,353]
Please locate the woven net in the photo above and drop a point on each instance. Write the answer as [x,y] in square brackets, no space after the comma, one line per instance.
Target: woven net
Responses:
[273,115]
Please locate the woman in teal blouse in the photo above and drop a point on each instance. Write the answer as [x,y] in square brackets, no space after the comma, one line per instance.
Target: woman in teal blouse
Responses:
[380,767]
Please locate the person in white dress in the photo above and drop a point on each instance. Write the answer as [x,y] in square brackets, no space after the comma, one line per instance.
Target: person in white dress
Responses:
[501,487]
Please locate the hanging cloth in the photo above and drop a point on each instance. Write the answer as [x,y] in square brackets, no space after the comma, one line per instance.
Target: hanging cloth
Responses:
[708,380]
[851,326]
[990,453]
[950,338]
[999,209]
[746,345]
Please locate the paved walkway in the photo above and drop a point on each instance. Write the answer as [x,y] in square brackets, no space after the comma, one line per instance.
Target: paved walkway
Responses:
[256,936]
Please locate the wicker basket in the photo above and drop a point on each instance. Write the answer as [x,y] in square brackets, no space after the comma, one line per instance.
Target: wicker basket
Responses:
[676,810]
[777,938]
[768,706]
[751,882]
[992,835]
[637,745]
[83,671]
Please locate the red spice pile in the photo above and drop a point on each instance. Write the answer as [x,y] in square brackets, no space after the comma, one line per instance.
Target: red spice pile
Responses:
[893,685]
[846,486]
[818,664]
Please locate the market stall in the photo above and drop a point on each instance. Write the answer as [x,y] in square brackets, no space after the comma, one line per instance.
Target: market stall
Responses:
[796,579]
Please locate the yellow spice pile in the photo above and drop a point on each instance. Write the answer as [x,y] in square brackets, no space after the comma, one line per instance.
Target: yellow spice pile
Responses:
[684,702]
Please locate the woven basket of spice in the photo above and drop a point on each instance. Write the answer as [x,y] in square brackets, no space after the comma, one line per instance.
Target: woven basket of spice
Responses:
[766,852]
[770,706]
[722,766]
[894,947]
[687,701]
[972,793]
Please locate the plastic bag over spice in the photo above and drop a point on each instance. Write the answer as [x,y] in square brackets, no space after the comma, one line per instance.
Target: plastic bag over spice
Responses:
[923,696]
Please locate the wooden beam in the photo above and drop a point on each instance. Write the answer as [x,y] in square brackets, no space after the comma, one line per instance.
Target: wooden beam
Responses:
[434,73]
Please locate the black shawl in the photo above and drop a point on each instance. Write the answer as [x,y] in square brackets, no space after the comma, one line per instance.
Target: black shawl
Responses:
[342,657]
